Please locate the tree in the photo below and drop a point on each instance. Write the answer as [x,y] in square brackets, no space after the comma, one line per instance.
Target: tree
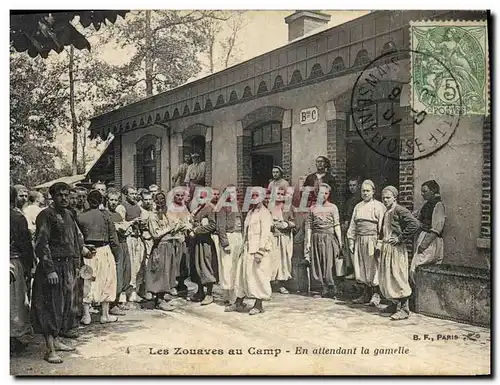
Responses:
[232,23]
[167,48]
[84,93]
[37,108]
[228,45]
[61,94]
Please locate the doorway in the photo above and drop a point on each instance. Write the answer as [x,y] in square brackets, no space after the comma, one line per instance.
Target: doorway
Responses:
[266,152]
[365,163]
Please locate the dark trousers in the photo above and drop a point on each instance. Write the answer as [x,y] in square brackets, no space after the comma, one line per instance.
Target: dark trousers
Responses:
[52,304]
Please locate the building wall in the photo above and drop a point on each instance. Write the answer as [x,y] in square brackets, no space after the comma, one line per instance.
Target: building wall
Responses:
[224,153]
[307,141]
[457,167]
[128,145]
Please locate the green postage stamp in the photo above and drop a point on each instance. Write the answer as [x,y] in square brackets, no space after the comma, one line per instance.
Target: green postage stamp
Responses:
[449,67]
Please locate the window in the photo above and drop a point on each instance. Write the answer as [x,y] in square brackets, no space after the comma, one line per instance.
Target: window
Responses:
[268,133]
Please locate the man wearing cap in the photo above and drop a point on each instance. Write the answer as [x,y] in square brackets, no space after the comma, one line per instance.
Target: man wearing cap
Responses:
[195,174]
[99,231]
[58,245]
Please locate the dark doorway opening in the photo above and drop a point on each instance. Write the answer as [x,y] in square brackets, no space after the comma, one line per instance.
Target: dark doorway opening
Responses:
[266,152]
[365,163]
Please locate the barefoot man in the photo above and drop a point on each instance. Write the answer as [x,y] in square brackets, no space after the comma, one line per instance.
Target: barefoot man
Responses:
[58,242]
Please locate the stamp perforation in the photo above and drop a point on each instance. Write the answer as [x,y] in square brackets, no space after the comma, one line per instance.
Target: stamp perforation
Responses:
[450,23]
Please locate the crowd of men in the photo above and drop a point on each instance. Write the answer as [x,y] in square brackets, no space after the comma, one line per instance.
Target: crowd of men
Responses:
[108,248]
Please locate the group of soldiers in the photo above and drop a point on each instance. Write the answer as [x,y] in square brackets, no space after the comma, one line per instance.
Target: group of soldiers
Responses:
[112,248]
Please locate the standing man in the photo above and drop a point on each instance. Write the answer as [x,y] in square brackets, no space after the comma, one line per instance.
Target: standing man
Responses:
[322,175]
[228,244]
[176,207]
[179,177]
[123,264]
[398,226]
[146,211]
[58,243]
[253,273]
[202,251]
[362,236]
[21,260]
[99,232]
[167,229]
[31,211]
[195,174]
[131,212]
[354,197]
[432,217]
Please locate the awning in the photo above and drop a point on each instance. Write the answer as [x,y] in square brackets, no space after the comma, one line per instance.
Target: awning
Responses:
[71,180]
[106,146]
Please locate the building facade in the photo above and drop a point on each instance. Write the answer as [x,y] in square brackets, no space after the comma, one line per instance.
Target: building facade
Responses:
[248,117]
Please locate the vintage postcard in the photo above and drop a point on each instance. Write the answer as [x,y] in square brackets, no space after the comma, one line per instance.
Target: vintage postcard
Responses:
[250,192]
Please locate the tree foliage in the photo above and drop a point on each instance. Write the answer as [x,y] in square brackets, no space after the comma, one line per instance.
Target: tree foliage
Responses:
[40,33]
[163,51]
[167,47]
[37,106]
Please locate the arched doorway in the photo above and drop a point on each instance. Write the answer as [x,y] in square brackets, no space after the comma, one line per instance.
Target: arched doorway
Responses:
[149,165]
[147,160]
[266,151]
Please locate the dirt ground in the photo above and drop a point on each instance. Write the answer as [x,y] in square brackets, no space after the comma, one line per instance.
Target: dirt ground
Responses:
[295,335]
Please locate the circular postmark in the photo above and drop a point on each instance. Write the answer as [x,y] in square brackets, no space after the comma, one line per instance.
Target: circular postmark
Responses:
[407,132]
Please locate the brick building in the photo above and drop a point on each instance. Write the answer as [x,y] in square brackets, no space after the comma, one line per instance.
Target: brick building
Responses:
[248,117]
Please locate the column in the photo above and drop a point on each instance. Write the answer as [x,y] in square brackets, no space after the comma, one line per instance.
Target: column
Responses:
[286,145]
[208,157]
[117,149]
[484,241]
[243,160]
[158,161]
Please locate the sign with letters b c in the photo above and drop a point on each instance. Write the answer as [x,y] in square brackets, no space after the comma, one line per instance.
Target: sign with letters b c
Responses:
[309,115]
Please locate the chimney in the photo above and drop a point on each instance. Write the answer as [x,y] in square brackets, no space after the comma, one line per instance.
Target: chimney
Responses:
[301,23]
